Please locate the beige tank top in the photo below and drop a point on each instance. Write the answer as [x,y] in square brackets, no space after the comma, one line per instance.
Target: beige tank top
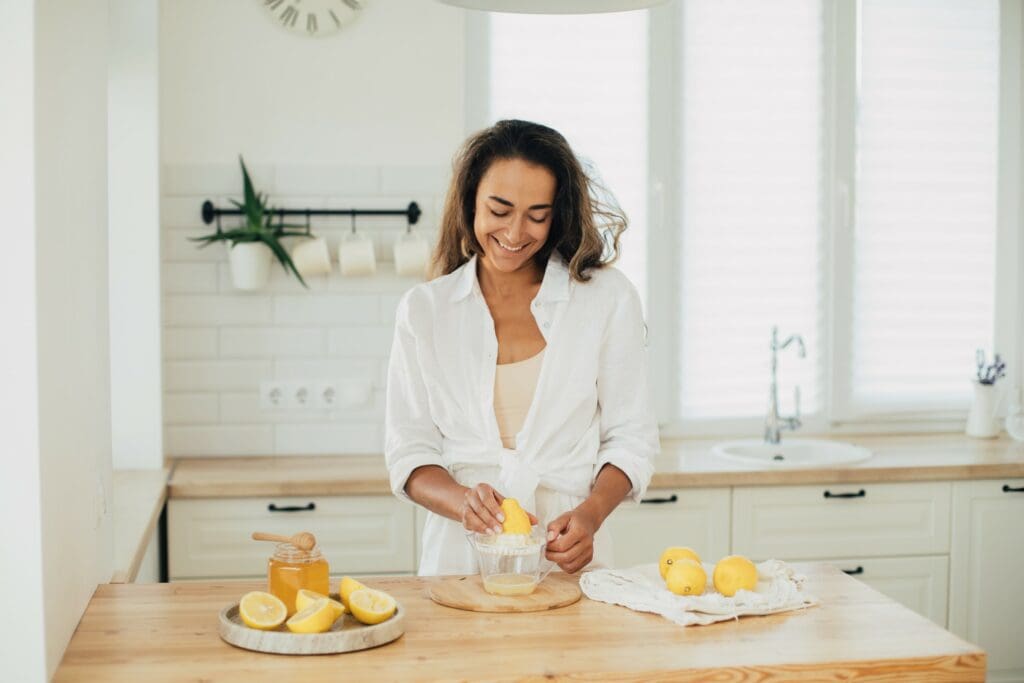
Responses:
[514,385]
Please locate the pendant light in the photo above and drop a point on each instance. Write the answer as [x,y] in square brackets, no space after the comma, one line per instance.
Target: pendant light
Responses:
[554,6]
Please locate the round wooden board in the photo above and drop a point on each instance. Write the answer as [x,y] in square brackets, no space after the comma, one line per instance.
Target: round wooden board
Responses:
[467,592]
[346,635]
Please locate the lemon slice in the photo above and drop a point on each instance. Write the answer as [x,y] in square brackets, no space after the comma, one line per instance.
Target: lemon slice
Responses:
[316,618]
[305,597]
[371,606]
[261,610]
[345,588]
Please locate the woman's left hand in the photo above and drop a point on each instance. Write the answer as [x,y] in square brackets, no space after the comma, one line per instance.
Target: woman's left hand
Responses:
[571,539]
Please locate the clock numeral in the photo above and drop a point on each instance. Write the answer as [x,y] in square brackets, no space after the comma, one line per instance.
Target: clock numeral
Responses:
[289,16]
[334,16]
[311,22]
[354,4]
[272,4]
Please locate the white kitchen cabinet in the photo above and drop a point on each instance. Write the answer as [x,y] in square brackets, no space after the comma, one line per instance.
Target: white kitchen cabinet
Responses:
[210,538]
[841,520]
[698,518]
[920,583]
[986,605]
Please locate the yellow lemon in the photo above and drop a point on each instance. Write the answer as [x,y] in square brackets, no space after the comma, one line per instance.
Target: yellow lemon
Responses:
[686,577]
[262,610]
[675,553]
[305,597]
[345,588]
[315,618]
[733,573]
[371,606]
[516,519]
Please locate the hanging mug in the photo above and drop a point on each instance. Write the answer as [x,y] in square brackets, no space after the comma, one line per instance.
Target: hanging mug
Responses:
[355,255]
[412,255]
[311,256]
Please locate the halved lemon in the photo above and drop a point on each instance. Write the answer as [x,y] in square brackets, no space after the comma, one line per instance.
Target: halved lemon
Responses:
[345,588]
[261,610]
[315,618]
[305,597]
[371,606]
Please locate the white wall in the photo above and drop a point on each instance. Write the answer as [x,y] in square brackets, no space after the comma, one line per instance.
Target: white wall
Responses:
[367,118]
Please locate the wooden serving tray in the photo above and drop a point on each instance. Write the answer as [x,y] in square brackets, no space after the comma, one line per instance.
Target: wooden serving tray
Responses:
[558,589]
[346,635]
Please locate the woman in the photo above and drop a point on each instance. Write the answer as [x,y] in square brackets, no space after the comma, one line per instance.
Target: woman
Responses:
[520,371]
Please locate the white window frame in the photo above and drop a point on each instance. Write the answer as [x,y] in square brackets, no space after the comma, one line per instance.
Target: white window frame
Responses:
[841,27]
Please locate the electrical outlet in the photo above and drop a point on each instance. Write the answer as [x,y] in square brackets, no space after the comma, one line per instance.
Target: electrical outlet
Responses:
[272,396]
[325,396]
[299,396]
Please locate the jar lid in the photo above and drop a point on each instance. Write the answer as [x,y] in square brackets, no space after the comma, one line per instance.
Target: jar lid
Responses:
[286,552]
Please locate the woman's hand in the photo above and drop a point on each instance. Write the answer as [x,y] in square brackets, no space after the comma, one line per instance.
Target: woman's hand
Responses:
[481,510]
[571,539]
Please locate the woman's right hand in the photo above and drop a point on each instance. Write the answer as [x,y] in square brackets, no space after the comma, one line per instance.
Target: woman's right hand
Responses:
[481,509]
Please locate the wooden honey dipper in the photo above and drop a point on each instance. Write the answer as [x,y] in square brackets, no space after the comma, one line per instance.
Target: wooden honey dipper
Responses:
[302,540]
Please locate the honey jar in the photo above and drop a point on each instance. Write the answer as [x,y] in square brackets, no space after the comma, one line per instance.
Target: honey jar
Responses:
[290,569]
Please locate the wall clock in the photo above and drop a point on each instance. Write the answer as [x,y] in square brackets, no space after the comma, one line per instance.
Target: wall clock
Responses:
[313,17]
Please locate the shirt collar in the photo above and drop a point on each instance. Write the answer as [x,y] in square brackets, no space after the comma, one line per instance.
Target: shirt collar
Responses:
[554,287]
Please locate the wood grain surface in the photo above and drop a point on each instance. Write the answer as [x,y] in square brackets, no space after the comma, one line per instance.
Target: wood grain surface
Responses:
[168,632]
[681,464]
[467,592]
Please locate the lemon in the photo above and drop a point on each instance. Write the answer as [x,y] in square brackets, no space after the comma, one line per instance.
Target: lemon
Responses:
[734,573]
[686,577]
[315,618]
[261,610]
[371,606]
[516,519]
[675,553]
[305,597]
[345,588]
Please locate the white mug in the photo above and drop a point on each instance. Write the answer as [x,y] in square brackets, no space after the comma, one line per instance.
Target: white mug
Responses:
[412,255]
[355,255]
[311,257]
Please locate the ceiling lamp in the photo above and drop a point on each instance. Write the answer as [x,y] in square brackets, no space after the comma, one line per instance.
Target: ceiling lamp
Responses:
[554,6]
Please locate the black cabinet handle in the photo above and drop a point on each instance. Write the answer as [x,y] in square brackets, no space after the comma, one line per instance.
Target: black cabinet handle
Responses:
[853,572]
[859,494]
[1009,489]
[654,501]
[292,508]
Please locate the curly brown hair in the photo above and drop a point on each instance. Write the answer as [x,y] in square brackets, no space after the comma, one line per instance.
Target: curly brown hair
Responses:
[586,221]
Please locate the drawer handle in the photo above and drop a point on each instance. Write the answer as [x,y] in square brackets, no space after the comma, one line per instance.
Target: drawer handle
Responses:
[292,508]
[854,572]
[655,501]
[1009,489]
[859,494]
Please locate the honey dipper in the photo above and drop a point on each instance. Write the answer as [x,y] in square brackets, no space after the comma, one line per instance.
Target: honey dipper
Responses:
[302,540]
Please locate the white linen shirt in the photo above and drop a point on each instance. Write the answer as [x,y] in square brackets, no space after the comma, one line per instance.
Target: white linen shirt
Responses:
[590,407]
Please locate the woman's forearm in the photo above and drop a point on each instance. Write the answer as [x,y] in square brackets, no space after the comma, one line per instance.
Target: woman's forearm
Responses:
[434,488]
[610,486]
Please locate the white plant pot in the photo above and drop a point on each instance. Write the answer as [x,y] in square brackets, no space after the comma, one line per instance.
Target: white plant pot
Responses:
[250,265]
[981,420]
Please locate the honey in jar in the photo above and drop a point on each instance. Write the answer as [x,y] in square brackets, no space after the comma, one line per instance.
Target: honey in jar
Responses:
[291,569]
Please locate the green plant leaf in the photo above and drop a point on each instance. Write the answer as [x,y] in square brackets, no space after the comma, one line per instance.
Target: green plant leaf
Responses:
[283,257]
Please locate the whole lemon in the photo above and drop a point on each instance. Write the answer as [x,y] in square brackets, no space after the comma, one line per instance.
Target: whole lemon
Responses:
[674,553]
[686,577]
[733,573]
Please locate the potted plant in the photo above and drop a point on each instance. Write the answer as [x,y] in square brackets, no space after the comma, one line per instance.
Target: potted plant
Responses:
[252,245]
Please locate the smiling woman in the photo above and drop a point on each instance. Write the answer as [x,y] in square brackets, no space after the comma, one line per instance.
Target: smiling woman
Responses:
[520,370]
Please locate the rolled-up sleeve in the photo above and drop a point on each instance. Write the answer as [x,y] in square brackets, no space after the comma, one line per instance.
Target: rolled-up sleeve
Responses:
[411,438]
[629,429]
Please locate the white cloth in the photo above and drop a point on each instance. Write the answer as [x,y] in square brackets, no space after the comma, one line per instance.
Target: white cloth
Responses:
[779,589]
[591,405]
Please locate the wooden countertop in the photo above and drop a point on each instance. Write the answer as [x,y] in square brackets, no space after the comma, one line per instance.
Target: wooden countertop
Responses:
[682,463]
[168,632]
[139,496]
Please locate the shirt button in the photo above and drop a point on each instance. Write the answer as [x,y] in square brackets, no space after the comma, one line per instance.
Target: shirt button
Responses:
[547,325]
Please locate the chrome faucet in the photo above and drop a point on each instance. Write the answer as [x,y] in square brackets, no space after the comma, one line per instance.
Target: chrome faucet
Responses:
[773,422]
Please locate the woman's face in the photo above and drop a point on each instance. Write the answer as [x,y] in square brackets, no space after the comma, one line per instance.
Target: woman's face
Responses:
[513,213]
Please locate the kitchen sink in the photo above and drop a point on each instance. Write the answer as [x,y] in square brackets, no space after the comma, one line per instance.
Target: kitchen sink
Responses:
[792,453]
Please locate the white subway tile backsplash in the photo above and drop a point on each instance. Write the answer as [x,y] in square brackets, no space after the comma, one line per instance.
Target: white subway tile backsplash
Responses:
[257,439]
[183,212]
[422,182]
[176,247]
[388,307]
[325,439]
[327,179]
[280,282]
[190,278]
[260,342]
[216,375]
[195,409]
[364,341]
[221,309]
[328,370]
[326,310]
[180,343]
[212,179]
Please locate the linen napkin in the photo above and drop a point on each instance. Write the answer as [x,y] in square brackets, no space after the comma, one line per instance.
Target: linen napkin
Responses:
[641,588]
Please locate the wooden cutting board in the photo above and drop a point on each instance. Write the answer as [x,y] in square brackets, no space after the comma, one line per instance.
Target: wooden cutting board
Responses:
[467,592]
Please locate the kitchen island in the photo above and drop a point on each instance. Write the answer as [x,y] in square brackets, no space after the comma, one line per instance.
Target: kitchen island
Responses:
[168,632]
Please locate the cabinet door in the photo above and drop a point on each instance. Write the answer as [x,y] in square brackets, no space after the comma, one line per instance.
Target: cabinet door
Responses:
[919,583]
[841,520]
[698,518]
[210,538]
[986,601]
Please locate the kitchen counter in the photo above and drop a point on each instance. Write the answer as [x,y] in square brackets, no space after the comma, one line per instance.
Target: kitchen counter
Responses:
[168,632]
[682,463]
[139,496]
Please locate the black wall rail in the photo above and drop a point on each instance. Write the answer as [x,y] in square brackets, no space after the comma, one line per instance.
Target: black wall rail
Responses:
[412,212]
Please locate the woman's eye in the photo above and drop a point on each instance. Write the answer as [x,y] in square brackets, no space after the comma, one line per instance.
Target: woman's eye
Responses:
[499,215]
[538,220]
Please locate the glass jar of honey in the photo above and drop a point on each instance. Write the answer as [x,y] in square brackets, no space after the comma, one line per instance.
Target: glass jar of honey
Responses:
[291,569]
